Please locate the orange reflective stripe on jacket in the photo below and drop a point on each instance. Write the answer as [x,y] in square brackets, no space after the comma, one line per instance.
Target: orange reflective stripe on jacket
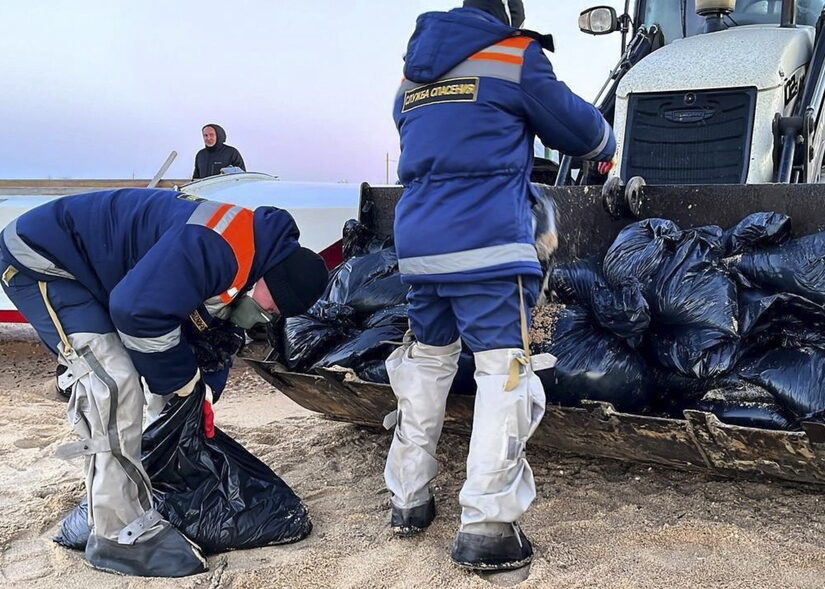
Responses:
[235,225]
[510,50]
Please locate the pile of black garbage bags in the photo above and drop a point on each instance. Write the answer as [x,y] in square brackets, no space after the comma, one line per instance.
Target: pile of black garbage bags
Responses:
[726,321]
[360,319]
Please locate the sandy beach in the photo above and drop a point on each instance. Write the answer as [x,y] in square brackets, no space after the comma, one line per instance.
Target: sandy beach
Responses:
[596,523]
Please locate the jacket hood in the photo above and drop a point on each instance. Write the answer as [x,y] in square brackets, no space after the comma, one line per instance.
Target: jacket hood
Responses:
[219,132]
[442,40]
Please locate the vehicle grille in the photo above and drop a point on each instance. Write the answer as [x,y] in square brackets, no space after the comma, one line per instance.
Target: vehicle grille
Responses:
[701,137]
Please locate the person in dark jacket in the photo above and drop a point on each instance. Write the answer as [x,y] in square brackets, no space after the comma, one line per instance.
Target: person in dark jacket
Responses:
[216,155]
[476,92]
[108,280]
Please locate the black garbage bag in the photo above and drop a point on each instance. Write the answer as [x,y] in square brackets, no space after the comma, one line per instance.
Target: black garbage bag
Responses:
[215,346]
[797,267]
[307,339]
[756,231]
[358,240]
[592,364]
[694,352]
[464,382]
[639,250]
[74,530]
[363,349]
[621,309]
[785,320]
[672,392]
[691,289]
[374,371]
[795,377]
[334,313]
[694,305]
[368,283]
[211,489]
[742,403]
[397,315]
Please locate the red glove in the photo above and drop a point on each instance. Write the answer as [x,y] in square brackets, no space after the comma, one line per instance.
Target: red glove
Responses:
[605,167]
[208,415]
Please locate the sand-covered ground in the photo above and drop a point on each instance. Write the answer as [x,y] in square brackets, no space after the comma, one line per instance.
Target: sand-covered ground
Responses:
[596,523]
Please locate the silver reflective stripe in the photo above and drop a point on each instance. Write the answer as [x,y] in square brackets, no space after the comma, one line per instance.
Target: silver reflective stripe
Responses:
[486,67]
[469,260]
[602,145]
[407,85]
[217,308]
[28,257]
[474,68]
[226,219]
[204,212]
[151,345]
[517,51]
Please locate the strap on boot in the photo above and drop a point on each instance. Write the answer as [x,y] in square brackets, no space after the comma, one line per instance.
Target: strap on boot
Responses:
[140,526]
[518,363]
[83,448]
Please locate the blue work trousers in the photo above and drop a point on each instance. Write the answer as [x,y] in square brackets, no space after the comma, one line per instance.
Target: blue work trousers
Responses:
[484,314]
[77,309]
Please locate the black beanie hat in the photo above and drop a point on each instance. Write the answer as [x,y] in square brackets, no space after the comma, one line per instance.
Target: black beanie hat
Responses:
[497,9]
[297,282]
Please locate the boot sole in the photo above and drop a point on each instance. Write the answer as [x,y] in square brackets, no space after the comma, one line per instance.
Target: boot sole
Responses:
[502,566]
[406,531]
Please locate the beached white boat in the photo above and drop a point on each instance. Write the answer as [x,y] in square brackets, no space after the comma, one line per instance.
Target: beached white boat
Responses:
[320,209]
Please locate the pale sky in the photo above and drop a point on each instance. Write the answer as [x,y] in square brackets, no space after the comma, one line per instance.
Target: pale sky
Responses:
[304,89]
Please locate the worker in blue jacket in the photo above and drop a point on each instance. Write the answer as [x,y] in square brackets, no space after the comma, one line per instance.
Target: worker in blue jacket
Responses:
[108,280]
[476,92]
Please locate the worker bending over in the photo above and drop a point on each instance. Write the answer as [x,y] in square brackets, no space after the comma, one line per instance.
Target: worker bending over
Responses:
[476,92]
[108,279]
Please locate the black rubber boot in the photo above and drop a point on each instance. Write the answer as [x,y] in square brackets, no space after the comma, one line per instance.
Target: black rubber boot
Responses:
[492,553]
[408,522]
[166,554]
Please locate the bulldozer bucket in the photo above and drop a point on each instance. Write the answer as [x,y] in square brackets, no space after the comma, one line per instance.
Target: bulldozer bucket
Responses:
[700,441]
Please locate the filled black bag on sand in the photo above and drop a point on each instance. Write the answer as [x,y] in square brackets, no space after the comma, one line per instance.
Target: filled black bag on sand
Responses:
[744,404]
[621,309]
[592,363]
[211,489]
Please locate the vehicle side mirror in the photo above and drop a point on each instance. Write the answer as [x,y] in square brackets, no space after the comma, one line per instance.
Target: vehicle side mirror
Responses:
[599,20]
